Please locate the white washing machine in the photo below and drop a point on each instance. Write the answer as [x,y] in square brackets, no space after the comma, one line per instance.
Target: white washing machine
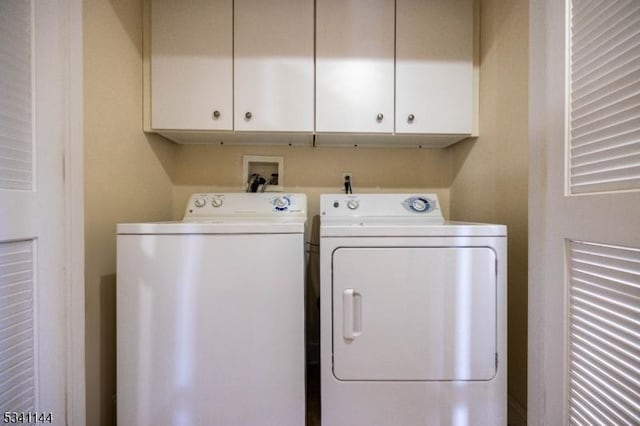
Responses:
[413,314]
[210,314]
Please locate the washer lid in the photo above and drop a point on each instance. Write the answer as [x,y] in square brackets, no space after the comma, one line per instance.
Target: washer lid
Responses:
[216,226]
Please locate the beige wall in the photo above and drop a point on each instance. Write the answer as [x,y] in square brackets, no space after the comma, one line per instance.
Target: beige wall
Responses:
[314,170]
[130,176]
[126,177]
[490,175]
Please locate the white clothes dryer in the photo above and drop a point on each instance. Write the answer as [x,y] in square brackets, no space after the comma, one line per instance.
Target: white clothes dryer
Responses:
[413,314]
[210,314]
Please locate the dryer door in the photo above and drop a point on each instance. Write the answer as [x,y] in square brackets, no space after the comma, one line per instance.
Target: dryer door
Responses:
[414,313]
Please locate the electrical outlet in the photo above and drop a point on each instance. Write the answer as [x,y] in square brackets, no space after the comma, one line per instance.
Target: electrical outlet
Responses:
[346,176]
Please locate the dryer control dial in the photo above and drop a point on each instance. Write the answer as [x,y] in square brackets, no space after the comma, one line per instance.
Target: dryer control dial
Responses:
[418,204]
[353,204]
[199,202]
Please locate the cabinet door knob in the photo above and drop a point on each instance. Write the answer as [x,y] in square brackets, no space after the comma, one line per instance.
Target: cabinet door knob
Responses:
[248,115]
[216,114]
[380,116]
[411,117]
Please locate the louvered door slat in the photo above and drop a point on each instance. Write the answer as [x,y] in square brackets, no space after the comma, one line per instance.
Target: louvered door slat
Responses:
[602,61]
[615,90]
[616,63]
[604,127]
[604,334]
[614,348]
[621,383]
[587,7]
[622,23]
[605,146]
[590,12]
[605,110]
[601,166]
[16,326]
[621,364]
[599,403]
[622,116]
[13,153]
[604,327]
[15,94]
[16,104]
[606,100]
[609,291]
[608,32]
[608,306]
[621,169]
[616,391]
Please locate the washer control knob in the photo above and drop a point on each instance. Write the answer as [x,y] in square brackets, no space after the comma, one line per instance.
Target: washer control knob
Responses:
[353,204]
[419,205]
[199,202]
[217,202]
[281,203]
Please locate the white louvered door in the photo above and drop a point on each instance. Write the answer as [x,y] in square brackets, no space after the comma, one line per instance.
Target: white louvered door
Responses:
[604,83]
[32,222]
[584,312]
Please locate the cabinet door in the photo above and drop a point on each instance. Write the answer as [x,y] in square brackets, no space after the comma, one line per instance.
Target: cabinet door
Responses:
[434,66]
[273,68]
[354,65]
[191,64]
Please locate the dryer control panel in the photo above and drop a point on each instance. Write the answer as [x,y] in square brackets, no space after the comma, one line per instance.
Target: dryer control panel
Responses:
[384,207]
[203,206]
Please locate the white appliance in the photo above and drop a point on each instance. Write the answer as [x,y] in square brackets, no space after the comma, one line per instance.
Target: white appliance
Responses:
[210,314]
[413,314]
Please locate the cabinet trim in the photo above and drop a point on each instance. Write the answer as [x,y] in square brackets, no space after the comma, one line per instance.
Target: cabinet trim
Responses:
[475,126]
[146,66]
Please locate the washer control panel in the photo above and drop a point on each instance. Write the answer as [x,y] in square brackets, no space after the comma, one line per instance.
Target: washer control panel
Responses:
[202,206]
[282,203]
[423,207]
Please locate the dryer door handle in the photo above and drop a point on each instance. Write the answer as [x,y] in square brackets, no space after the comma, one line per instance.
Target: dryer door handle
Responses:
[351,314]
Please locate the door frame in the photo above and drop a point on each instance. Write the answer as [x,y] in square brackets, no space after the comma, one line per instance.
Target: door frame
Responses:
[74,213]
[540,410]
[537,197]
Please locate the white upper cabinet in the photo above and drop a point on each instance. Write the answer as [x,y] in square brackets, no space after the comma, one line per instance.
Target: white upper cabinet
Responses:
[354,66]
[434,66]
[273,68]
[191,65]
[389,72]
